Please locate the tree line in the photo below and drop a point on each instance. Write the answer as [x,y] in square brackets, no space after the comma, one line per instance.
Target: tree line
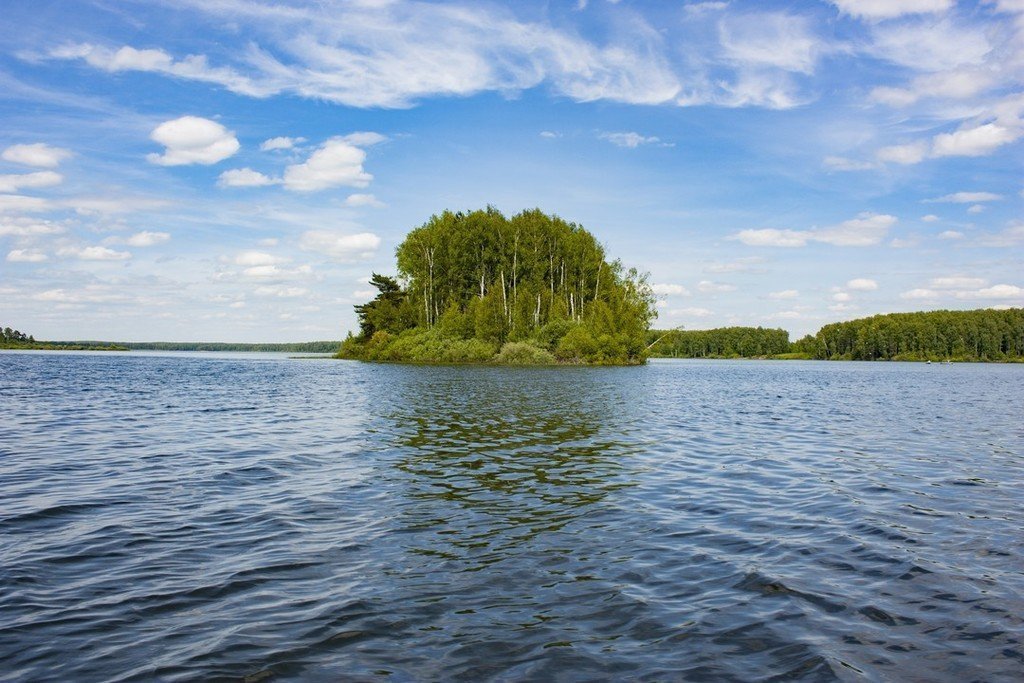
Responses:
[978,335]
[723,342]
[471,283]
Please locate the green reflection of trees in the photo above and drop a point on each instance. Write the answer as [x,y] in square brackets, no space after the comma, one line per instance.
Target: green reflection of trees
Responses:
[496,458]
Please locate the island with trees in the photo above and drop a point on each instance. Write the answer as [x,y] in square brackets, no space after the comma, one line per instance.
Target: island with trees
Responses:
[532,289]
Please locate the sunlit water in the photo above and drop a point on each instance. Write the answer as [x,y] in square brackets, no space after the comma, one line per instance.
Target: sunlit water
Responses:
[194,516]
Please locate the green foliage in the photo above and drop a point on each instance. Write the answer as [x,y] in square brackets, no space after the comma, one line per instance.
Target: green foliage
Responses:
[481,277]
[13,339]
[523,353]
[979,335]
[724,342]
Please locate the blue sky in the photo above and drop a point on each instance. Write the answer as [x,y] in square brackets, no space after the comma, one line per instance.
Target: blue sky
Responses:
[234,171]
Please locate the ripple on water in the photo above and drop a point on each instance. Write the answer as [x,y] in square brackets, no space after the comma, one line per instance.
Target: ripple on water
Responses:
[250,518]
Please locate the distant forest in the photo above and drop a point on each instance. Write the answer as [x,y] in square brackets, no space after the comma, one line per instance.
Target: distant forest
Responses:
[980,335]
[297,347]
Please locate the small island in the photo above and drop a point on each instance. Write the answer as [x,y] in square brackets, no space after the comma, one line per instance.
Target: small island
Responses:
[478,287]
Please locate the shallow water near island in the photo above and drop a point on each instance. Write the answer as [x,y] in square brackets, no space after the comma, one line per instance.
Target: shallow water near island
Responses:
[205,516]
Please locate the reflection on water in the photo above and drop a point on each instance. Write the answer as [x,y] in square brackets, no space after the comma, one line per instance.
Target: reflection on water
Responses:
[199,517]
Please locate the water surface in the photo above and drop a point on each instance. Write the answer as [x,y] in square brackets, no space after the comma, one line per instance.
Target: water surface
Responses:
[218,516]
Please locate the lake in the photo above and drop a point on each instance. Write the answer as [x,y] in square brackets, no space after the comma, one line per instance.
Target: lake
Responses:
[254,517]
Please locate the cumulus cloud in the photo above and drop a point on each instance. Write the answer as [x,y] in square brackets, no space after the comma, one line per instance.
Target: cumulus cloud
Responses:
[15,182]
[862,284]
[22,226]
[191,67]
[841,296]
[358,199]
[784,294]
[245,177]
[966,288]
[280,143]
[37,154]
[709,287]
[1012,235]
[910,153]
[257,258]
[867,229]
[974,141]
[192,140]
[94,253]
[629,140]
[969,198]
[930,218]
[339,246]
[336,162]
[951,235]
[147,239]
[890,9]
[667,289]
[26,256]
[281,292]
[19,203]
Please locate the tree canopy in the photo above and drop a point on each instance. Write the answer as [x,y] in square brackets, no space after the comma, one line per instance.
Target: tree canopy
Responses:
[470,283]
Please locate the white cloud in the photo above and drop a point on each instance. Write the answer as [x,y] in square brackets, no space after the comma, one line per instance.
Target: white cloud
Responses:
[665,289]
[951,235]
[709,287]
[930,45]
[930,218]
[866,230]
[338,246]
[274,273]
[772,237]
[784,294]
[862,284]
[25,256]
[281,291]
[391,54]
[22,226]
[257,258]
[280,143]
[774,40]
[245,177]
[363,138]
[957,282]
[192,140]
[965,288]
[911,153]
[38,154]
[969,197]
[628,139]
[147,239]
[890,9]
[842,297]
[844,164]
[19,203]
[550,134]
[974,142]
[192,67]
[335,163]
[1011,236]
[94,253]
[786,315]
[363,200]
[13,183]
[977,208]
[920,294]
[89,206]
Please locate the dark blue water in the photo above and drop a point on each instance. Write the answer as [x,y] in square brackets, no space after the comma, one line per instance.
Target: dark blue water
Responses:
[191,517]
